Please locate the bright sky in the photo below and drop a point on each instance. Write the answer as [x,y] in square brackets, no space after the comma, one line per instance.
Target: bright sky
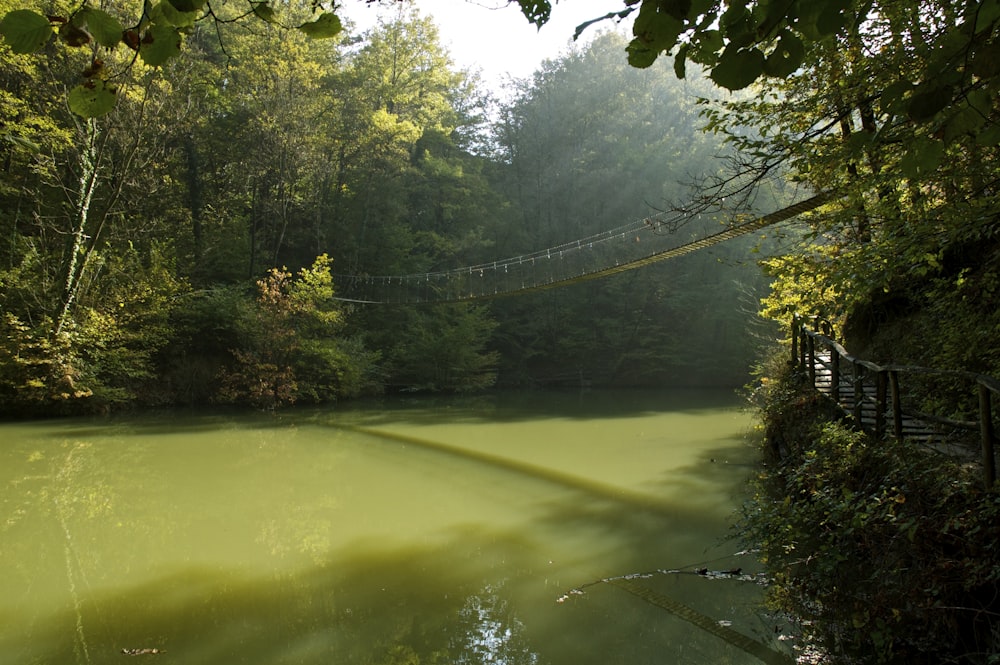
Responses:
[496,37]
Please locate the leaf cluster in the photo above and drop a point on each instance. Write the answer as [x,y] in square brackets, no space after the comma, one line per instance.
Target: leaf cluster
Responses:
[154,38]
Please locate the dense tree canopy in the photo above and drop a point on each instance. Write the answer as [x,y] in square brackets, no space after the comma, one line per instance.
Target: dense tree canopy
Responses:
[739,42]
[910,241]
[163,251]
[376,153]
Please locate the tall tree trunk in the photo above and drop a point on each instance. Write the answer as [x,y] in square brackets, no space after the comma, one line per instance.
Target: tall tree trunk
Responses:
[85,194]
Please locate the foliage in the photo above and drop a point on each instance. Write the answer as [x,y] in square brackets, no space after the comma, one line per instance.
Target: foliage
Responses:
[154,36]
[949,92]
[589,147]
[106,357]
[374,151]
[443,350]
[38,374]
[884,552]
[286,350]
[909,242]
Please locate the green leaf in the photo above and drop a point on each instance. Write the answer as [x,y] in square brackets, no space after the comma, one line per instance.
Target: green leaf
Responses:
[736,12]
[536,11]
[640,55]
[923,157]
[738,26]
[985,13]
[786,57]
[986,60]
[859,141]
[705,50]
[92,99]
[677,8]
[185,6]
[263,11]
[326,26]
[680,61]
[981,100]
[832,18]
[106,29]
[989,137]
[161,43]
[967,121]
[25,30]
[738,68]
[772,16]
[657,30]
[892,99]
[928,101]
[166,12]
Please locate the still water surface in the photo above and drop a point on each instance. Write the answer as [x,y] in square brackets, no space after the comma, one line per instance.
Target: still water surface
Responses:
[419,531]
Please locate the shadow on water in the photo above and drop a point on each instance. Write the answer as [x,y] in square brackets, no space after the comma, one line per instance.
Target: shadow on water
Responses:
[377,605]
[372,604]
[474,594]
[357,609]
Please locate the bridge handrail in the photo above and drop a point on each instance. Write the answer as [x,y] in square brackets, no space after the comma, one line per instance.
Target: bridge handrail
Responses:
[887,397]
[592,257]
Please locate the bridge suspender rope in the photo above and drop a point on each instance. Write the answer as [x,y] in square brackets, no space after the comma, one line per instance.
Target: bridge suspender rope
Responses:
[625,248]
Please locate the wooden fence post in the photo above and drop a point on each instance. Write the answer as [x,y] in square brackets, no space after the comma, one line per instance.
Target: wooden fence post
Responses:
[880,390]
[859,393]
[835,374]
[897,409]
[796,325]
[812,360]
[986,435]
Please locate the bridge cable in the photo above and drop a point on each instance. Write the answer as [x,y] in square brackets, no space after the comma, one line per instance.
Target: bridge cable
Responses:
[556,266]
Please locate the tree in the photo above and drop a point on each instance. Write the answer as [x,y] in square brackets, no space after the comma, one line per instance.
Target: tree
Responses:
[86,290]
[738,42]
[155,35]
[286,348]
[909,240]
[588,147]
[410,196]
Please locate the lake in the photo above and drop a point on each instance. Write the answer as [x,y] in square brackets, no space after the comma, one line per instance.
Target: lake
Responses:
[400,531]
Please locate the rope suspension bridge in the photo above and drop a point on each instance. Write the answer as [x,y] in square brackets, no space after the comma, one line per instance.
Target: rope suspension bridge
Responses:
[634,245]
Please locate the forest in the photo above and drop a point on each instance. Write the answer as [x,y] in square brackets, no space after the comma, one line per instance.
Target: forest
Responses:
[184,247]
[180,198]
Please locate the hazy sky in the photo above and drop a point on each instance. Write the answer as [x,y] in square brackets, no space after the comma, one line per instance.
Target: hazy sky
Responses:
[496,37]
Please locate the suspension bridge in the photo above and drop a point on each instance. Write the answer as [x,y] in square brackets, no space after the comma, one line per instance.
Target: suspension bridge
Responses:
[634,245]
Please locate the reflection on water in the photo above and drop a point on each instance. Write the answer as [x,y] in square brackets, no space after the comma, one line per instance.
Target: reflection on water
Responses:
[490,633]
[403,532]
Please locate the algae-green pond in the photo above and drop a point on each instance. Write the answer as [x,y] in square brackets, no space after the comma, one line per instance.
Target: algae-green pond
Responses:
[404,531]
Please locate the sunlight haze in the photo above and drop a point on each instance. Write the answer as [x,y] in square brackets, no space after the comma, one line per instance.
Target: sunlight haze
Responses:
[494,37]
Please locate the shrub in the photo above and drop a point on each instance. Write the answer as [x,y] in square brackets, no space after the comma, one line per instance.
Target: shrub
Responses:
[886,552]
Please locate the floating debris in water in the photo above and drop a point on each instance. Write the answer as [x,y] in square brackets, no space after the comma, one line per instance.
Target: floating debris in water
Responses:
[572,592]
[143,652]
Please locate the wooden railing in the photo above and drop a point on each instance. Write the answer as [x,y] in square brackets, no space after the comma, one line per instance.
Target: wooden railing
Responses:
[872,395]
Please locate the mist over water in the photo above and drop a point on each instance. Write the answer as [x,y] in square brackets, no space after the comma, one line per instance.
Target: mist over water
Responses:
[403,531]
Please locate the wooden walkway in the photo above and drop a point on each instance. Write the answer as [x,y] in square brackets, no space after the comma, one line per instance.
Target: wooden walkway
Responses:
[873,397]
[866,413]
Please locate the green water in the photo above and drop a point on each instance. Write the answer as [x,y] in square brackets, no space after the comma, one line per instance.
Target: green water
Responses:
[404,531]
